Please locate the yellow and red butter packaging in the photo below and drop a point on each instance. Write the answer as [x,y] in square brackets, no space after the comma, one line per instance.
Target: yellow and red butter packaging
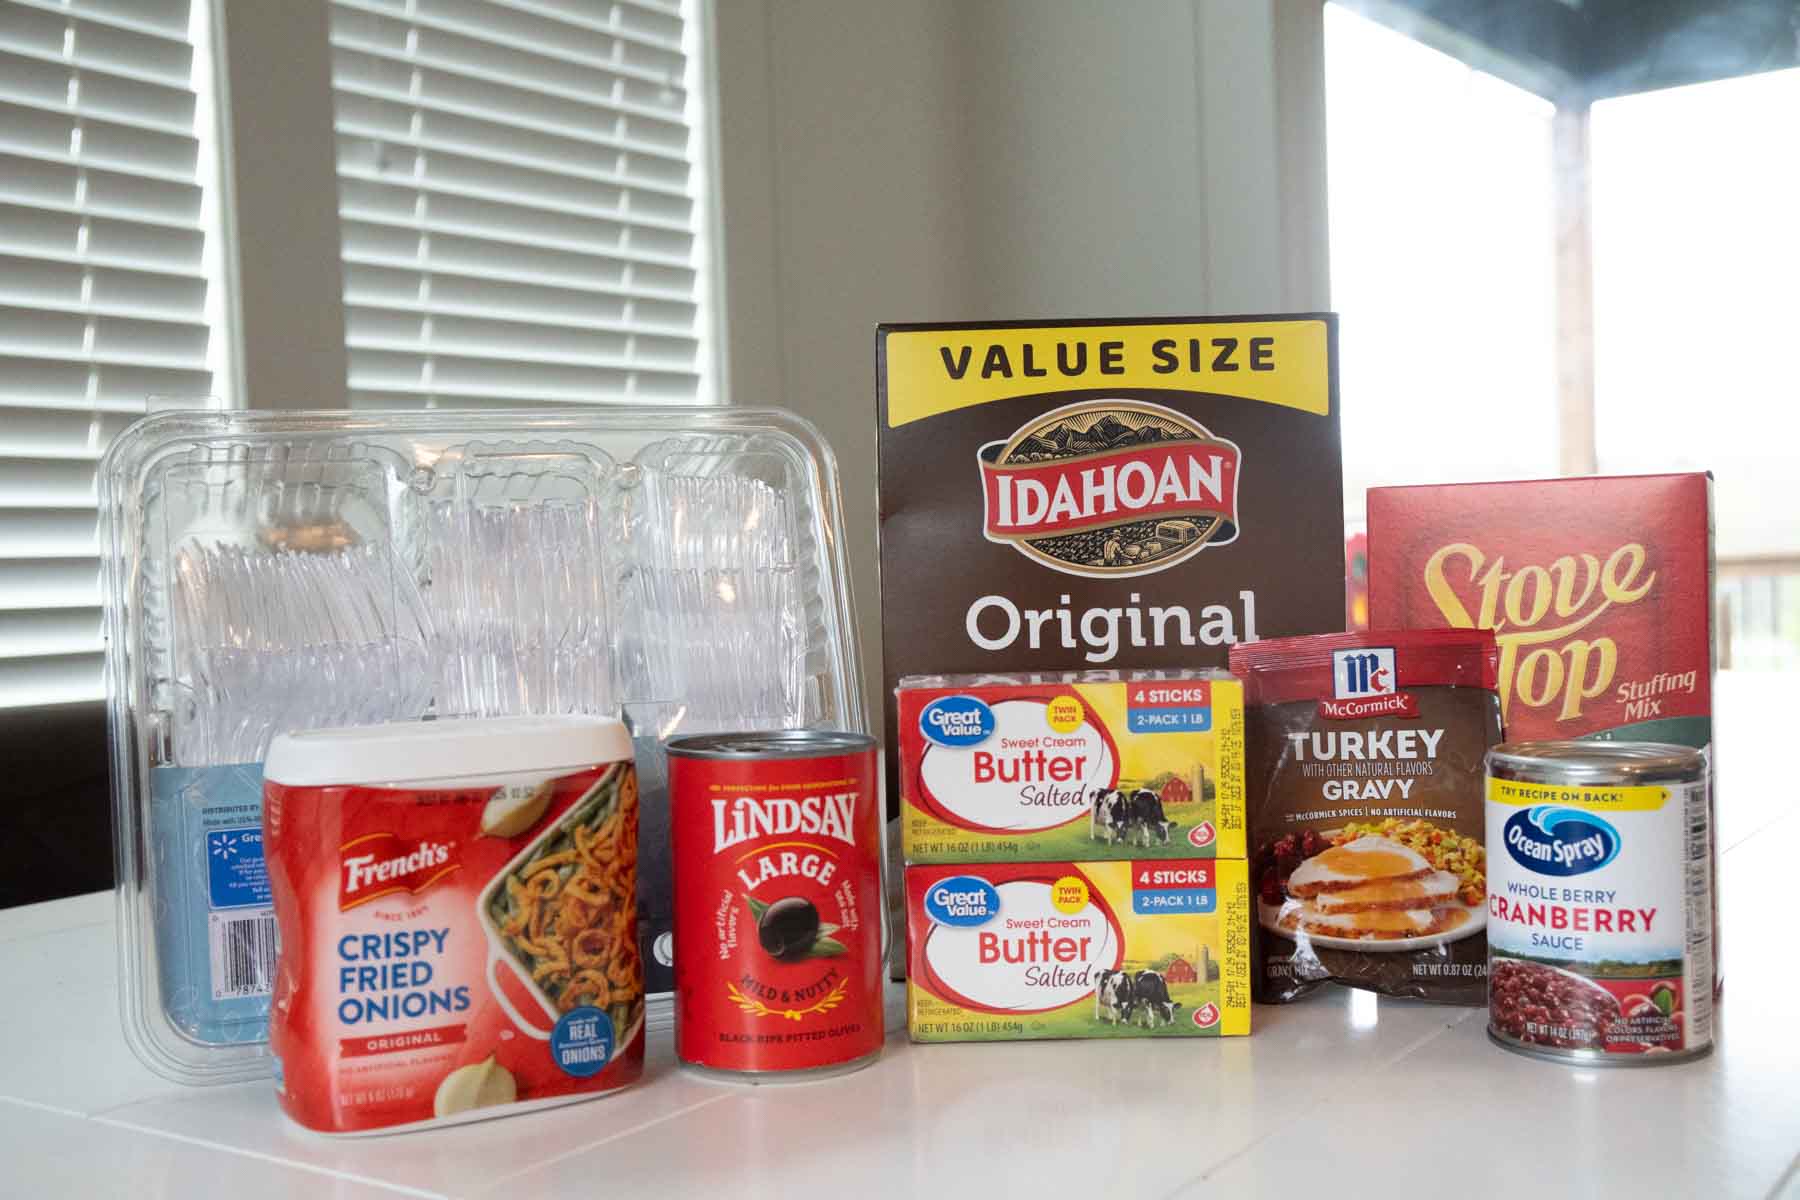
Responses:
[1071,767]
[1154,948]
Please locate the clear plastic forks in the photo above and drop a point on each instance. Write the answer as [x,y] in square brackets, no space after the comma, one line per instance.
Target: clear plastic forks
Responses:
[716,578]
[294,640]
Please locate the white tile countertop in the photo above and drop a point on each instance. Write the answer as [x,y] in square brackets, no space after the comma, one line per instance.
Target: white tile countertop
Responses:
[1340,1094]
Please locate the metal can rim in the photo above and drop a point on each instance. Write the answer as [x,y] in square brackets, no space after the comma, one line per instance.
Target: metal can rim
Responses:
[773,743]
[779,1076]
[1597,762]
[1586,1057]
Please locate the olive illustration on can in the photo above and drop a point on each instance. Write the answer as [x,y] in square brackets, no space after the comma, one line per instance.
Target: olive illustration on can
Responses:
[789,929]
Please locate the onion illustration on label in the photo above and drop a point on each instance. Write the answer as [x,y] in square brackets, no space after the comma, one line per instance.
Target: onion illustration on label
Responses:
[515,809]
[477,1085]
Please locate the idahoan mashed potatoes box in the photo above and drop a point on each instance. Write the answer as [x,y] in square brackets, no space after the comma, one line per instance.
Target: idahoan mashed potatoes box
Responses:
[1077,766]
[1111,494]
[1156,948]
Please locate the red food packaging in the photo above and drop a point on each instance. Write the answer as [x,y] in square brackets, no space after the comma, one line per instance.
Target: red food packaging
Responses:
[1599,592]
[776,839]
[461,943]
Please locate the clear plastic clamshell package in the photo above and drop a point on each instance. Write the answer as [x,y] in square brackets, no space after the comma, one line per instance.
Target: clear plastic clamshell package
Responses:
[270,572]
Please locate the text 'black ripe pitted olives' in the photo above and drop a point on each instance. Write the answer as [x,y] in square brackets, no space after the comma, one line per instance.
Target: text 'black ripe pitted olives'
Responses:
[788,928]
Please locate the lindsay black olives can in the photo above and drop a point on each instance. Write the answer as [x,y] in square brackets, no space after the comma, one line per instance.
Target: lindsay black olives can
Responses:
[778,904]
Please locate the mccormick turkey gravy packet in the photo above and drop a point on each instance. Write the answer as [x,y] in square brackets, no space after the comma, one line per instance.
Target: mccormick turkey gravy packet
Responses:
[1365,766]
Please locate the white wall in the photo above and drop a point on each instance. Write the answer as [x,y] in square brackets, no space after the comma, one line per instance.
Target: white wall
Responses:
[915,160]
[285,280]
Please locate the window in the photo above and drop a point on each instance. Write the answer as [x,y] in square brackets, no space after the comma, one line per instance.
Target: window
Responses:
[1442,264]
[525,219]
[1696,253]
[1587,265]
[1696,257]
[107,294]
[519,189]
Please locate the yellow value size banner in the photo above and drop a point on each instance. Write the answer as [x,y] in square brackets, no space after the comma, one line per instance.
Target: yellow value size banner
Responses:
[1284,362]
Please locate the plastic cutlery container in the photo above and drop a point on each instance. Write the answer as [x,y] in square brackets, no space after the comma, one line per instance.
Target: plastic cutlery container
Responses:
[272,572]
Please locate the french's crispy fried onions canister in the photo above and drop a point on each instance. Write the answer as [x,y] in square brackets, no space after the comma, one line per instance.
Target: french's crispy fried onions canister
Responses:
[458,917]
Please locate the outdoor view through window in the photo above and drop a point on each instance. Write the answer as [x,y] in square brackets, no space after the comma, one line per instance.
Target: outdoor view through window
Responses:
[1458,263]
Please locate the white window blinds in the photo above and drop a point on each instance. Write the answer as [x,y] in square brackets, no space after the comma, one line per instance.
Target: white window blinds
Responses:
[103,298]
[519,188]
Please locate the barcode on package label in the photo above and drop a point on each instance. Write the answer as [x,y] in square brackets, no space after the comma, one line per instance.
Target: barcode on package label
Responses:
[243,946]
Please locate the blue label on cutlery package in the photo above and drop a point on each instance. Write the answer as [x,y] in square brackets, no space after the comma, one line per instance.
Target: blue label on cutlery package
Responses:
[236,877]
[214,926]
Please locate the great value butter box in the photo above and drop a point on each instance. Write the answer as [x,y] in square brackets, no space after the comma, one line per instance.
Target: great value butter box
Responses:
[1155,948]
[1079,766]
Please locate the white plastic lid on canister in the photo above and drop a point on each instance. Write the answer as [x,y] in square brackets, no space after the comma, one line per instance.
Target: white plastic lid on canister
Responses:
[414,753]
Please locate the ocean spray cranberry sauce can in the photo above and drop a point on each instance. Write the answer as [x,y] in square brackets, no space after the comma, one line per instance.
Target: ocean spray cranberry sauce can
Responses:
[1599,901]
[776,839]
